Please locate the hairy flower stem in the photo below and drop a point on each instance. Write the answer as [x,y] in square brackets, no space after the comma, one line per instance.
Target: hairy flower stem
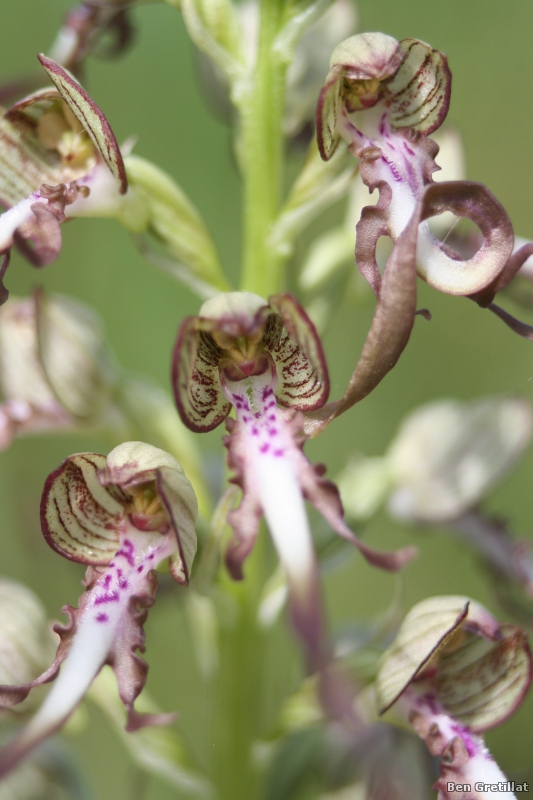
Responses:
[262,157]
[237,718]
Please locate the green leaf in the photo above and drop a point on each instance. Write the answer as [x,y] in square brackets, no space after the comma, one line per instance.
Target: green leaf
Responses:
[158,750]
[177,226]
[295,760]
[214,27]
[319,185]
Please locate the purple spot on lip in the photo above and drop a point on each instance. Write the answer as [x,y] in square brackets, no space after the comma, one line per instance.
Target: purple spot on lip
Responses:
[264,448]
[123,583]
[112,564]
[408,149]
[246,419]
[110,597]
[255,432]
[151,557]
[127,554]
[465,735]
[140,569]
[257,414]
[107,581]
[272,432]
[278,453]
[272,417]
[101,617]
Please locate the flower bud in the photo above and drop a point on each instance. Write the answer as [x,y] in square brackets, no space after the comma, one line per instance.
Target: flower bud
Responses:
[26,641]
[55,369]
[448,454]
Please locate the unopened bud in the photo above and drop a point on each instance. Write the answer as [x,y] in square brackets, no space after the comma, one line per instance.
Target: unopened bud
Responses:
[448,454]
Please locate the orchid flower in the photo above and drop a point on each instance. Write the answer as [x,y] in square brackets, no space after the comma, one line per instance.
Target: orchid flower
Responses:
[121,516]
[60,159]
[454,672]
[384,98]
[265,360]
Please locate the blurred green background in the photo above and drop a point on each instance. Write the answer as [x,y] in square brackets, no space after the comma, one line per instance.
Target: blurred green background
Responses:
[153,93]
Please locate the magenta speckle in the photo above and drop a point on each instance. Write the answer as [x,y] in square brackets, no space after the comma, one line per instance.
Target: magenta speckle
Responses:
[465,735]
[264,448]
[107,581]
[140,569]
[272,432]
[101,617]
[151,557]
[123,583]
[257,414]
[109,597]
[255,432]
[278,453]
[408,149]
[272,417]
[394,169]
[246,419]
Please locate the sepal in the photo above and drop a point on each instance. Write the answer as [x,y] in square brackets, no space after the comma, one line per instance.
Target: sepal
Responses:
[90,116]
[367,59]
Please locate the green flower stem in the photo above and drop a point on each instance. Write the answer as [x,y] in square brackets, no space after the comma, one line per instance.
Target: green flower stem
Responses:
[261,157]
[237,715]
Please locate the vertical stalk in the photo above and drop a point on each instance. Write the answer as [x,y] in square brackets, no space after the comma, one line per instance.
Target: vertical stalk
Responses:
[262,157]
[239,690]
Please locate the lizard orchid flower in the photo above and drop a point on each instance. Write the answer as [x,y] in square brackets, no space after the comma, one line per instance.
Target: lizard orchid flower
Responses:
[454,672]
[121,516]
[265,360]
[384,98]
[60,159]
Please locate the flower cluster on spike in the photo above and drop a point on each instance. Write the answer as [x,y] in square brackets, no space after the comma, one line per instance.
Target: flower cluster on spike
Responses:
[121,516]
[384,98]
[265,360]
[454,672]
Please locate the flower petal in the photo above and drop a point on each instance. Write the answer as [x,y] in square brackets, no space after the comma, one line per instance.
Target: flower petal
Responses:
[134,463]
[195,379]
[420,88]
[42,229]
[297,352]
[326,115]
[361,57]
[482,683]
[80,518]
[25,164]
[425,629]
[90,116]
